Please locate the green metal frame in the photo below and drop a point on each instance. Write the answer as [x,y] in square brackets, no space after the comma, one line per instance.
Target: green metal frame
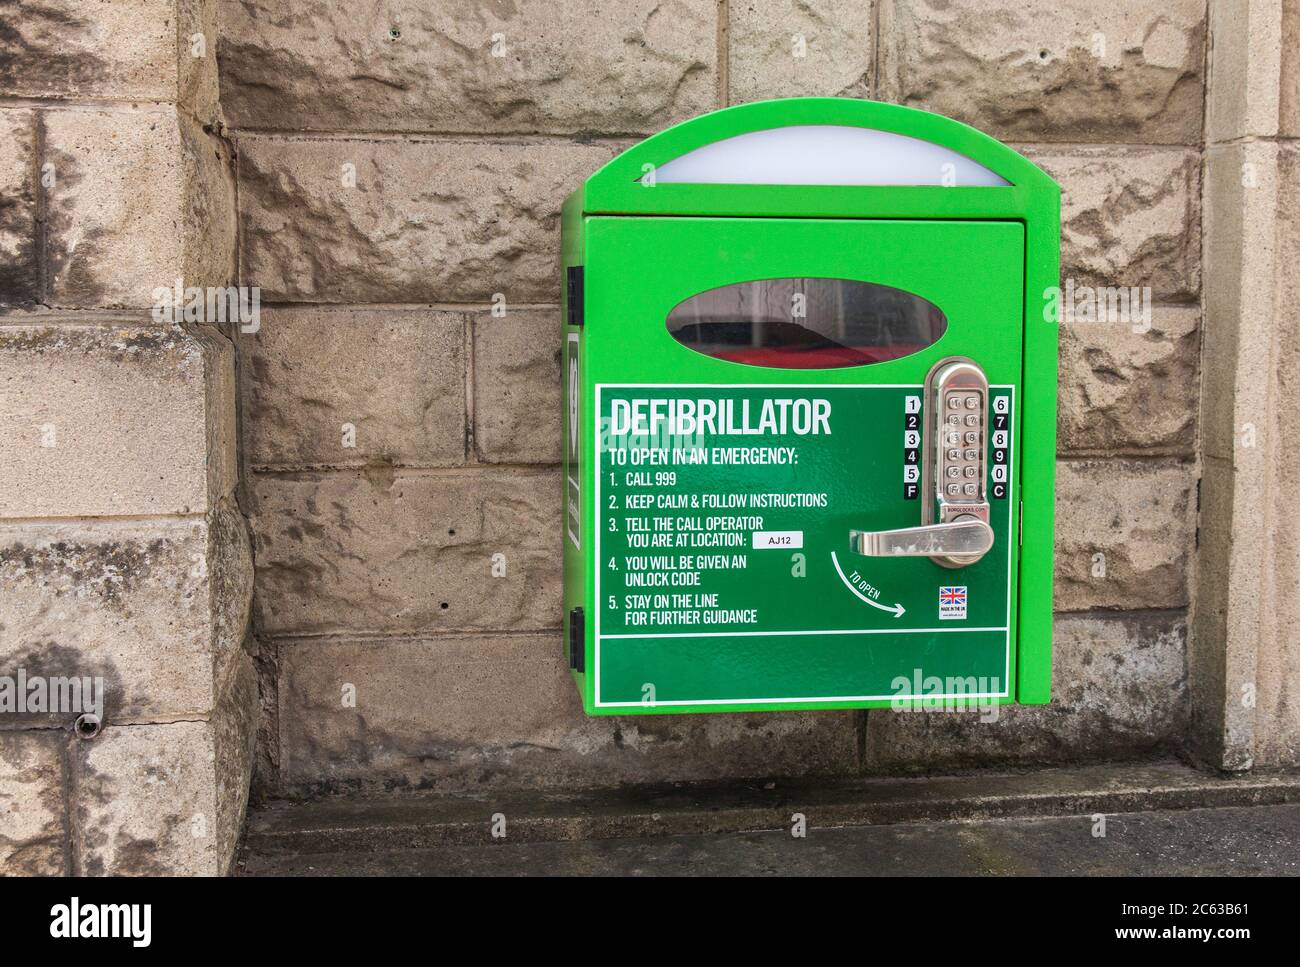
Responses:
[1031,198]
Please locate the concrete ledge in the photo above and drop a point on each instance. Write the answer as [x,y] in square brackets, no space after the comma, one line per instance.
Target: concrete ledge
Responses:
[1231,841]
[368,825]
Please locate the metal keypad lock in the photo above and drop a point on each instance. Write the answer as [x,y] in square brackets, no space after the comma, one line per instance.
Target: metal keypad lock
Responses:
[954,529]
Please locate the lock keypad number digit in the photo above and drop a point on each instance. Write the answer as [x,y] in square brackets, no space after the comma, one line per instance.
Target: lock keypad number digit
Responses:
[911,448]
[1000,447]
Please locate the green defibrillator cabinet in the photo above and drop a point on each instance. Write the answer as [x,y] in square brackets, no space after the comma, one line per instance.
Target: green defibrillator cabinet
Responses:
[809,415]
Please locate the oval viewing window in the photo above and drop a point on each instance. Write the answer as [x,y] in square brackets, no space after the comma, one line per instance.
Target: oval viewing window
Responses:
[806,323]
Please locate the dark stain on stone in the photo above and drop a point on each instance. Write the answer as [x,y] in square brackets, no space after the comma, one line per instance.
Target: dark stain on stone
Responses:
[146,340]
[20,281]
[108,569]
[380,474]
[63,65]
[69,273]
[114,345]
[34,758]
[50,659]
[266,762]
[105,845]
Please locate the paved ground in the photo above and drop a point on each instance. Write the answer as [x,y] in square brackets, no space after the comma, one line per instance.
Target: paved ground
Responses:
[1240,840]
[1160,818]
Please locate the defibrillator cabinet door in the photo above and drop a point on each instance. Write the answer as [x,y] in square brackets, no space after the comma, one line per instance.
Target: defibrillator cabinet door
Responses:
[801,467]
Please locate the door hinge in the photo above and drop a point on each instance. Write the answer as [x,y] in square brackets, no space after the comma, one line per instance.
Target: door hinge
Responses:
[577,641]
[574,294]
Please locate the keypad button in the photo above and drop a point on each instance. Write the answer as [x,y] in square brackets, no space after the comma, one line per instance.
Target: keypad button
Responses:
[972,437]
[969,471]
[954,490]
[972,455]
[971,490]
[954,439]
[954,471]
[972,420]
[954,455]
[954,420]
[954,402]
[972,402]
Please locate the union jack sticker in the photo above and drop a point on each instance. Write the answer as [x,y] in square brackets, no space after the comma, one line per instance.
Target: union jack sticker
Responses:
[952,604]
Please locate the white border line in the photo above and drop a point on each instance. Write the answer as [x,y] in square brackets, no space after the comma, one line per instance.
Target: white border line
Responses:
[909,699]
[1012,530]
[807,634]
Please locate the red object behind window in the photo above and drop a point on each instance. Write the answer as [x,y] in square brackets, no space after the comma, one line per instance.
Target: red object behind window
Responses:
[821,357]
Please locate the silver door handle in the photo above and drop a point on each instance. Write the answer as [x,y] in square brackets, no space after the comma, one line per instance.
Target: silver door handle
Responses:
[964,537]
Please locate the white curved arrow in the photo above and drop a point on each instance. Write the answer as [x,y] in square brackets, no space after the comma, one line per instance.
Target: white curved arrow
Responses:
[895,609]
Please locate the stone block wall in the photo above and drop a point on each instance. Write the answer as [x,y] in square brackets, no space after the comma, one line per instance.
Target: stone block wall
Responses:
[367,476]
[1246,655]
[123,555]
[400,172]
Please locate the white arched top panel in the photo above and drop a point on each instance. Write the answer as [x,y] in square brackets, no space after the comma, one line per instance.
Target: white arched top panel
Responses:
[825,154]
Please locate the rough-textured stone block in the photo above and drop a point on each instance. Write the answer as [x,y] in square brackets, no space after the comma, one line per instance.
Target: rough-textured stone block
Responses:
[623,66]
[33,821]
[1119,689]
[169,798]
[196,58]
[423,222]
[156,609]
[1124,534]
[114,420]
[220,392]
[333,388]
[114,231]
[69,48]
[139,198]
[230,590]
[1276,671]
[19,269]
[517,387]
[379,550]
[145,800]
[1241,236]
[465,712]
[1071,70]
[815,48]
[1122,388]
[1129,216]
[234,736]
[208,213]
[1252,58]
[1289,74]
